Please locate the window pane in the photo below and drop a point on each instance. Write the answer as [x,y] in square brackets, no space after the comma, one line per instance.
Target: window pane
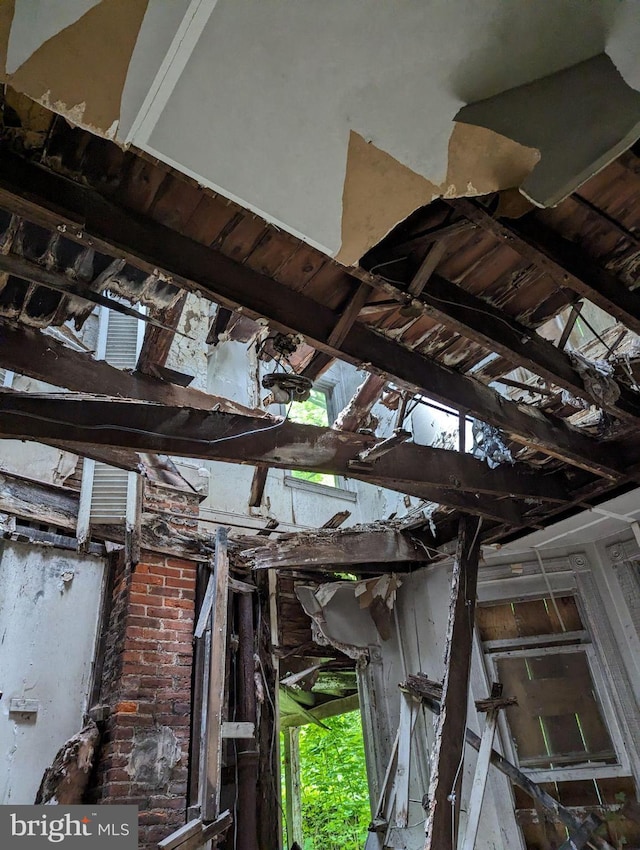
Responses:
[557,721]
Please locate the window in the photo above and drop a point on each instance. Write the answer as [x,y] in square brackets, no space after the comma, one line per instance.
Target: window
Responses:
[317,410]
[542,654]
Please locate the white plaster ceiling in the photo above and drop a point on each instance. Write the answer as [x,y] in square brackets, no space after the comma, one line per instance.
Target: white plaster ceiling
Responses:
[268,97]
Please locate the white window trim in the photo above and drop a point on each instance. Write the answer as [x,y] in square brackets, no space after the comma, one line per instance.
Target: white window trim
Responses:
[343,488]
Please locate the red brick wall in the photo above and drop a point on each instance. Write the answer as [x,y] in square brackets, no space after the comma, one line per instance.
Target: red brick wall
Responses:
[146,683]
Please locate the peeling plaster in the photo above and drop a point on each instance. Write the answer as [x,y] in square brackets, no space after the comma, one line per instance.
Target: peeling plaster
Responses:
[34,22]
[379,191]
[80,70]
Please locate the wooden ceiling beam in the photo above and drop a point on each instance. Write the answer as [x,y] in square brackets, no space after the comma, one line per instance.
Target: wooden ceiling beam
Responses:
[438,474]
[563,260]
[88,218]
[39,355]
[312,550]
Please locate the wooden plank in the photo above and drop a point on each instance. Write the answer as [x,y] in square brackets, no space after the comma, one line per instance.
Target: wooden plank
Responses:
[403,763]
[293,812]
[258,483]
[448,749]
[582,836]
[177,838]
[563,260]
[215,701]
[28,351]
[340,549]
[238,729]
[43,503]
[426,268]
[349,315]
[356,413]
[86,217]
[474,806]
[157,341]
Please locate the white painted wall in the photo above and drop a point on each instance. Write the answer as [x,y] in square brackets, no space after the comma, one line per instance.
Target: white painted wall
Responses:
[49,606]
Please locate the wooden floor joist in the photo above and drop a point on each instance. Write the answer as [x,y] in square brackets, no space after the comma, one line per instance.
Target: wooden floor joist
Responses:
[448,749]
[89,218]
[563,260]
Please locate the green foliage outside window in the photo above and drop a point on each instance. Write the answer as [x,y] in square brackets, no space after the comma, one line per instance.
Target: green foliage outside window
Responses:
[335,794]
[314,411]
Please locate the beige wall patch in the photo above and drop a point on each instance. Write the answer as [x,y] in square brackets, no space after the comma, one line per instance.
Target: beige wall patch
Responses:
[80,72]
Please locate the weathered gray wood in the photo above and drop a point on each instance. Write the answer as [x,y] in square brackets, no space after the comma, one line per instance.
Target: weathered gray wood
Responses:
[474,806]
[292,779]
[39,502]
[196,833]
[546,801]
[215,701]
[340,548]
[448,749]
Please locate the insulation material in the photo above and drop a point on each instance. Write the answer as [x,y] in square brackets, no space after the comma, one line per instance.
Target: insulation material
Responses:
[488,445]
[598,378]
[379,191]
[80,69]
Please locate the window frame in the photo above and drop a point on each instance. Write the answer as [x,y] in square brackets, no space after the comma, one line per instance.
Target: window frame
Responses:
[575,771]
[343,487]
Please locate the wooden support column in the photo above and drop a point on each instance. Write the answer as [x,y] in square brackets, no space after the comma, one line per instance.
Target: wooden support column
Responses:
[293,811]
[214,613]
[446,772]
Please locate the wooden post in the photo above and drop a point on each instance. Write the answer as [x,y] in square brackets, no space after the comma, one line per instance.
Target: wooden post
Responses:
[446,773]
[212,763]
[293,812]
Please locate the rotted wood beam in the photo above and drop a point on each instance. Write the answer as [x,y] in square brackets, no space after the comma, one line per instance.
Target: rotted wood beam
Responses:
[157,341]
[446,776]
[90,219]
[434,474]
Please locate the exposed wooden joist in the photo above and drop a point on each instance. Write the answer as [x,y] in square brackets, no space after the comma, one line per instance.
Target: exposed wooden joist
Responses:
[447,753]
[38,355]
[339,549]
[355,415]
[332,708]
[26,270]
[477,320]
[258,483]
[234,438]
[89,218]
[562,259]
[157,341]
